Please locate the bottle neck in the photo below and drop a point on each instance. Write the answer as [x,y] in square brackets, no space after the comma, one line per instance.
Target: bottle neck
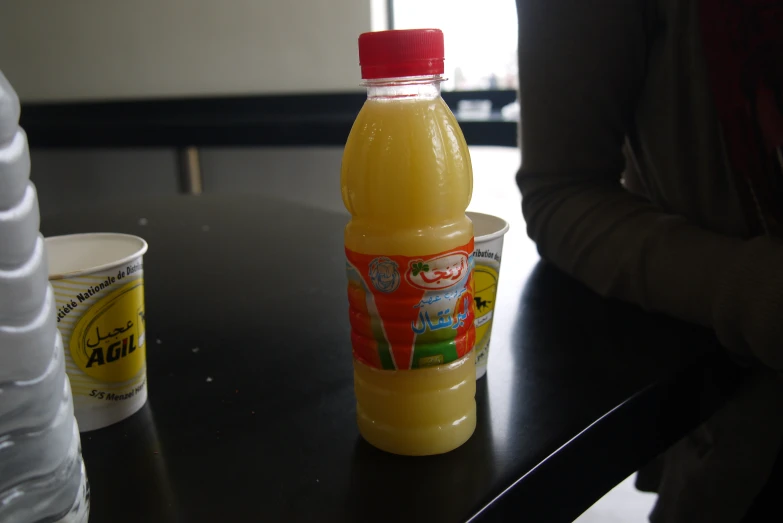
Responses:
[409,87]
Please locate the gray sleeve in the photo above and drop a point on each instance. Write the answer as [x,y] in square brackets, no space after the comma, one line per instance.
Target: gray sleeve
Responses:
[580,66]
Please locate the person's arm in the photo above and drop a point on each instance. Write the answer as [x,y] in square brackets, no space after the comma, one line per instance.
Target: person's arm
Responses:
[581,65]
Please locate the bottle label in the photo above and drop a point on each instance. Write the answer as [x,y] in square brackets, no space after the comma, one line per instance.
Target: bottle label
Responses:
[411,312]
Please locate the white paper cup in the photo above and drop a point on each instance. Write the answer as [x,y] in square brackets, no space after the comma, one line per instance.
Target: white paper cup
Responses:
[488,231]
[99,291]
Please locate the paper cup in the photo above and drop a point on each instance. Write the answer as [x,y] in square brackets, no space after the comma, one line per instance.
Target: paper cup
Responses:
[489,231]
[99,288]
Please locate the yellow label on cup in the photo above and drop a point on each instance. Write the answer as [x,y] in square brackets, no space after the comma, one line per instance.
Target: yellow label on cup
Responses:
[485,281]
[108,341]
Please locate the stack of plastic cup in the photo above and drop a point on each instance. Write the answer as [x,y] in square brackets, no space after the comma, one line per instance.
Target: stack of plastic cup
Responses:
[42,476]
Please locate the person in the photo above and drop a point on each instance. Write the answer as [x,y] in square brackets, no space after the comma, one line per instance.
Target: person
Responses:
[688,221]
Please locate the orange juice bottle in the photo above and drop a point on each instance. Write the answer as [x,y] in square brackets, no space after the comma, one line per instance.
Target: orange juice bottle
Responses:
[407,180]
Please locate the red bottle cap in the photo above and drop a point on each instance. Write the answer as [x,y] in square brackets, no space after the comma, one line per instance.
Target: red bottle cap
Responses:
[392,54]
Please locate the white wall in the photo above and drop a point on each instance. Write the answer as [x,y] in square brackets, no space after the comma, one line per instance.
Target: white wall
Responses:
[110,49]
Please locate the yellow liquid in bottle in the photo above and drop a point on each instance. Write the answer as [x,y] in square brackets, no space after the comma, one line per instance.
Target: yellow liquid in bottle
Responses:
[407,180]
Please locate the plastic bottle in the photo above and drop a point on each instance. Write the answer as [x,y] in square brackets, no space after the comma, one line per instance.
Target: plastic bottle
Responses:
[42,476]
[407,180]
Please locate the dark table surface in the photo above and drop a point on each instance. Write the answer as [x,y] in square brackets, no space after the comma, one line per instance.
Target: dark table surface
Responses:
[251,409]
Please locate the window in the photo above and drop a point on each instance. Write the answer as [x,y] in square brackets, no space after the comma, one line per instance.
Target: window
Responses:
[480,39]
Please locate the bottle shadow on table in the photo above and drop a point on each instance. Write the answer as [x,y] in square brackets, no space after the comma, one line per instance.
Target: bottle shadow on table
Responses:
[446,487]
